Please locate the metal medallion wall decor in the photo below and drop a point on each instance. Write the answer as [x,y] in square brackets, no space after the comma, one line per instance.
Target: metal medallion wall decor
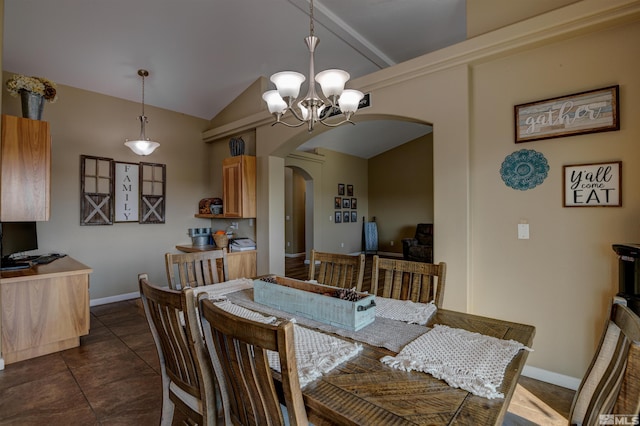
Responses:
[524,169]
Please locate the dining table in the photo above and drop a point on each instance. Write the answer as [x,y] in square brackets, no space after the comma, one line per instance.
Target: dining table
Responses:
[365,391]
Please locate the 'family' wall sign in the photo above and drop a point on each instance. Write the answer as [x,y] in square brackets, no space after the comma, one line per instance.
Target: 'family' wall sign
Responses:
[585,112]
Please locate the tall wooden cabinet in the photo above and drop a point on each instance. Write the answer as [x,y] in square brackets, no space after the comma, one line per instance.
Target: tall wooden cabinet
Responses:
[25,182]
[239,186]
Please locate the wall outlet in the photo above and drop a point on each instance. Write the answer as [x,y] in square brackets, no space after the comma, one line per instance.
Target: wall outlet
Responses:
[391,243]
[341,244]
[288,243]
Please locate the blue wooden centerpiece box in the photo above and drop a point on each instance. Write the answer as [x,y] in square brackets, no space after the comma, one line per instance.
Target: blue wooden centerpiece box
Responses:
[315,301]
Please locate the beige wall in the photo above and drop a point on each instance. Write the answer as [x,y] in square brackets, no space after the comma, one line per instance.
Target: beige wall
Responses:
[561,279]
[88,123]
[328,169]
[488,15]
[401,191]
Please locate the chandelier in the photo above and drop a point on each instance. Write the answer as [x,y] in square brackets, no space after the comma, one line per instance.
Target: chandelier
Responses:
[312,108]
[142,146]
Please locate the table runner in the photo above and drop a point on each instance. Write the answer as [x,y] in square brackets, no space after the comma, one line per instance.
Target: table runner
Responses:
[316,353]
[470,361]
[404,310]
[383,332]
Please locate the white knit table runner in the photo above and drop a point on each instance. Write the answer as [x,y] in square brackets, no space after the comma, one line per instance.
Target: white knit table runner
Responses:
[470,361]
[316,353]
[382,333]
[404,310]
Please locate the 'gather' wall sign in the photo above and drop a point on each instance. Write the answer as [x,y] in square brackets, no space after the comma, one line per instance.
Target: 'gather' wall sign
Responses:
[585,112]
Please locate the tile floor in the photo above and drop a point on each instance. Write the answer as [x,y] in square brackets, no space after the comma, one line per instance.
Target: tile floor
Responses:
[113,379]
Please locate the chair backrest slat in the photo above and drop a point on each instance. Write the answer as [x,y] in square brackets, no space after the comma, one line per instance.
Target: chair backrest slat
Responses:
[197,268]
[337,270]
[408,280]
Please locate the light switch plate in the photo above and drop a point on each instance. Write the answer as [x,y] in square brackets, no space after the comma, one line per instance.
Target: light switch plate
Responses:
[523,231]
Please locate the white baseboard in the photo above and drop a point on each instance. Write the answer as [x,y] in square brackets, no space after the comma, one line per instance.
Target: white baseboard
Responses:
[551,377]
[294,254]
[113,299]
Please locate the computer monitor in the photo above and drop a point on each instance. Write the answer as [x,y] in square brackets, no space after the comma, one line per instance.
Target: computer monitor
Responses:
[17,237]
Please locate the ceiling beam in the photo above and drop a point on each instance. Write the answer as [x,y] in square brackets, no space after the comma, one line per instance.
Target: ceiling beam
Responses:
[325,17]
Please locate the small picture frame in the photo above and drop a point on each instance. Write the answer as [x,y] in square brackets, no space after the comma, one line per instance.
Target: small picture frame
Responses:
[341,189]
[349,190]
[337,203]
[354,203]
[345,217]
[338,217]
[593,185]
[346,203]
[354,216]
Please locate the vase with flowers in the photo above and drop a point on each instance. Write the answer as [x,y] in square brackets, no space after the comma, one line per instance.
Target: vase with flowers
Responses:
[33,91]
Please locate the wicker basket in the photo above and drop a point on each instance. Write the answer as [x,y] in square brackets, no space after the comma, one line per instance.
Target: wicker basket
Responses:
[221,240]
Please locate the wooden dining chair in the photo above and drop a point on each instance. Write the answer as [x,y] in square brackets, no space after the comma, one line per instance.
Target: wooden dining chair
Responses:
[611,384]
[188,381]
[239,348]
[408,280]
[197,268]
[338,270]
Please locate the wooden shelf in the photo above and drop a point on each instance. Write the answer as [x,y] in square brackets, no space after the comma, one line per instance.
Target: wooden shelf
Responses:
[209,216]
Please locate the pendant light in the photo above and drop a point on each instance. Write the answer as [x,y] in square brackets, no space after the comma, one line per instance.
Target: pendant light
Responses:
[142,146]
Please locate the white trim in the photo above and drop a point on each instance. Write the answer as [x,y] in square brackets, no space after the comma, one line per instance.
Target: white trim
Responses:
[294,254]
[112,299]
[1,363]
[551,377]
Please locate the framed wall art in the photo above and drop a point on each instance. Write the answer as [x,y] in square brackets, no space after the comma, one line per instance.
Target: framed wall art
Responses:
[346,203]
[341,189]
[96,190]
[593,185]
[585,112]
[126,191]
[345,217]
[338,217]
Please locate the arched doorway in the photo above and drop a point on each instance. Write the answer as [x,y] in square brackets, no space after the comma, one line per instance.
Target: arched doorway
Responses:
[298,212]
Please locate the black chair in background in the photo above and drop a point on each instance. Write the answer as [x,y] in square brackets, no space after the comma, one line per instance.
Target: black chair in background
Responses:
[419,248]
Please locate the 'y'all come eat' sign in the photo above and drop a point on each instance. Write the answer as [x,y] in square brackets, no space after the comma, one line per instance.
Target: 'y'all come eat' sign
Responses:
[591,185]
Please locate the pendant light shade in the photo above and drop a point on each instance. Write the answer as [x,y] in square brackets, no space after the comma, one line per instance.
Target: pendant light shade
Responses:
[142,145]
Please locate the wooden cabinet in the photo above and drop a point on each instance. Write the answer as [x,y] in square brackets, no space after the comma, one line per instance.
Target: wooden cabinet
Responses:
[44,309]
[26,170]
[239,186]
[242,264]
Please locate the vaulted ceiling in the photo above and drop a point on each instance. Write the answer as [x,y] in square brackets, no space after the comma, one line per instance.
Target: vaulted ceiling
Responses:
[201,54]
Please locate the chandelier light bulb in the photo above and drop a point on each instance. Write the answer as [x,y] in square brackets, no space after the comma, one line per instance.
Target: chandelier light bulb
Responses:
[349,100]
[332,82]
[288,83]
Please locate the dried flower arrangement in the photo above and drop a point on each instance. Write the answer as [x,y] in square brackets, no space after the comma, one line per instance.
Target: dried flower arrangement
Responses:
[39,85]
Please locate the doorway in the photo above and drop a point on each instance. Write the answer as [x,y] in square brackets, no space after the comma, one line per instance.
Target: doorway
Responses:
[298,212]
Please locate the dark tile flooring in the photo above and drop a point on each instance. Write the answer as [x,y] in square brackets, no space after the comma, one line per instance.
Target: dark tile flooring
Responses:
[113,378]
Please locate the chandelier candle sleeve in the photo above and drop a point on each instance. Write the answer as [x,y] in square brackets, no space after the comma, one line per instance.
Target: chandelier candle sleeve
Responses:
[309,110]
